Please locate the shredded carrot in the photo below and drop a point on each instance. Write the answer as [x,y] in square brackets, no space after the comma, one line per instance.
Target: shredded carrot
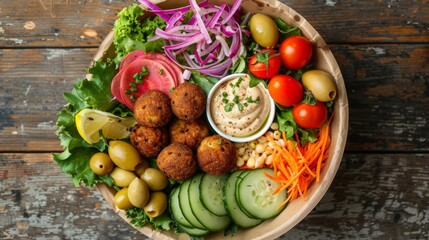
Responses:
[296,166]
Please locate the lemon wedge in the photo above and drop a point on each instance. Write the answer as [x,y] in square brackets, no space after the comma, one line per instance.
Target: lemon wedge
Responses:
[89,122]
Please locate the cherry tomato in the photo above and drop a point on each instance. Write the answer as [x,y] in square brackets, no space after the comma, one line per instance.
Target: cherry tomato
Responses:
[265,64]
[285,90]
[295,52]
[310,116]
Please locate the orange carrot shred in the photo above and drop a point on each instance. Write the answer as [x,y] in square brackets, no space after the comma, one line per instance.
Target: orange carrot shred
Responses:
[296,166]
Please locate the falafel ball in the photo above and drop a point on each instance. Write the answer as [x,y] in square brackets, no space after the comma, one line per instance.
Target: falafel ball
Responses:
[189,133]
[188,101]
[177,161]
[153,109]
[149,141]
[216,155]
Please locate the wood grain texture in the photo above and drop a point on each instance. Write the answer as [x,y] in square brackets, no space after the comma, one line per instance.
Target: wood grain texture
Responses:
[47,23]
[57,23]
[373,196]
[367,21]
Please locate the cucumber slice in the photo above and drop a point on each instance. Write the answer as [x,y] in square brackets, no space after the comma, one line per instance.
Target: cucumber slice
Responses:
[193,231]
[255,194]
[175,209]
[209,220]
[237,183]
[186,207]
[211,193]
[237,215]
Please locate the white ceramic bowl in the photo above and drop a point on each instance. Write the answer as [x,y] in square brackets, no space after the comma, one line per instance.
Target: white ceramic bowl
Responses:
[263,129]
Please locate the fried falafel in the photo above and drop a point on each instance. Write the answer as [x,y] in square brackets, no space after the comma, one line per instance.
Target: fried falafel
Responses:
[177,161]
[190,133]
[216,155]
[188,101]
[149,141]
[153,109]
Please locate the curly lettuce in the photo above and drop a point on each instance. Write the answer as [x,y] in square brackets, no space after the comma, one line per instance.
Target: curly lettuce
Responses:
[132,30]
[95,94]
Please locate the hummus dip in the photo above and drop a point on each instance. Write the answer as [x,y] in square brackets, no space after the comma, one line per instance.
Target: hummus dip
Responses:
[239,110]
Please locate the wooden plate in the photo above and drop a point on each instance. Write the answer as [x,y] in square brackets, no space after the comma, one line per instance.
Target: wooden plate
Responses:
[298,208]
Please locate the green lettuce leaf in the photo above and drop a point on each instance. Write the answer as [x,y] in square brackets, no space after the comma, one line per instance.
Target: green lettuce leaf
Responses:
[288,125]
[95,94]
[139,219]
[131,33]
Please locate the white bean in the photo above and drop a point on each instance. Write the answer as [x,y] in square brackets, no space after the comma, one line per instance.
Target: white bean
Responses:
[262,139]
[277,135]
[240,162]
[259,161]
[241,151]
[269,160]
[274,126]
[251,162]
[260,148]
[282,142]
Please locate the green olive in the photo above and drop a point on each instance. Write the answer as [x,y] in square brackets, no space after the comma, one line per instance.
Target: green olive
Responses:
[156,205]
[138,193]
[124,155]
[141,167]
[101,164]
[121,199]
[320,84]
[154,179]
[264,30]
[122,177]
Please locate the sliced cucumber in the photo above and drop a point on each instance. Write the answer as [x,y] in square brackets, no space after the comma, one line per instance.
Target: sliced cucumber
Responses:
[237,215]
[176,210]
[237,197]
[211,193]
[255,194]
[186,207]
[194,231]
[208,219]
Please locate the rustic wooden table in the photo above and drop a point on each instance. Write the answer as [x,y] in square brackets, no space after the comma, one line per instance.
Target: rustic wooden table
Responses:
[381,189]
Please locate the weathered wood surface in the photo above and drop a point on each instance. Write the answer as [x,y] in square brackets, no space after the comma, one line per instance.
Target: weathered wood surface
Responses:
[61,23]
[373,196]
[380,190]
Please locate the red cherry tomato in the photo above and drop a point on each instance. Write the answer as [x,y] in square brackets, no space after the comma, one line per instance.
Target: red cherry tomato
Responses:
[285,90]
[295,52]
[265,64]
[310,116]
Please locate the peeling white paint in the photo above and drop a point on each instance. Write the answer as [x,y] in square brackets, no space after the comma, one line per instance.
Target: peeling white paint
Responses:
[330,3]
[377,50]
[1,30]
[14,40]
[28,90]
[57,53]
[46,125]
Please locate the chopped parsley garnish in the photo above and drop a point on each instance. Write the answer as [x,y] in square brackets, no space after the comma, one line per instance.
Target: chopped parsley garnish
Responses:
[228,107]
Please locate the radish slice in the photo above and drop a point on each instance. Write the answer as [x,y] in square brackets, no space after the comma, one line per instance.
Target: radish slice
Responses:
[158,78]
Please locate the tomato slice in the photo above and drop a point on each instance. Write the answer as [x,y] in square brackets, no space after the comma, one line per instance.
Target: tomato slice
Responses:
[158,78]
